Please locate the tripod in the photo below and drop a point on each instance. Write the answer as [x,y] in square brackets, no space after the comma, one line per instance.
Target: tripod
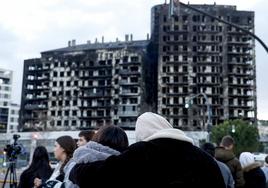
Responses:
[11,170]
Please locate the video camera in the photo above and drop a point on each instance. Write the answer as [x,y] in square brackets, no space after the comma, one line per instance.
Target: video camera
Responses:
[13,150]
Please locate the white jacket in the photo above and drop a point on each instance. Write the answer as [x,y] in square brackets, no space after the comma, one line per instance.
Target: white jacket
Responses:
[53,183]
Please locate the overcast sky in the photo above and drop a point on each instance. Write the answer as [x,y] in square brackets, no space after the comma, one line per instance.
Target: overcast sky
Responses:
[29,27]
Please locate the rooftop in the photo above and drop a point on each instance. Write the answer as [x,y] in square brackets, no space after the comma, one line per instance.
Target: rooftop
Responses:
[98,45]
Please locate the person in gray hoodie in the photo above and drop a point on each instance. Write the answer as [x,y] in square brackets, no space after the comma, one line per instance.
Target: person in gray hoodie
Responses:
[109,140]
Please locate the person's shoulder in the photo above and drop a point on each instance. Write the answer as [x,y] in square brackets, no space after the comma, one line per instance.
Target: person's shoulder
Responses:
[24,174]
[69,165]
[223,166]
[139,145]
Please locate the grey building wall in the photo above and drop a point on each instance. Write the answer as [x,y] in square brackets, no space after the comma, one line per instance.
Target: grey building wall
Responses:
[5,97]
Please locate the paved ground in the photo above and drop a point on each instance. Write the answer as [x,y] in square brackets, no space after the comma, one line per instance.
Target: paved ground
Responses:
[3,173]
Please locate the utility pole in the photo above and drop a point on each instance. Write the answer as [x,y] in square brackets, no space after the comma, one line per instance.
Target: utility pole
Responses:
[209,113]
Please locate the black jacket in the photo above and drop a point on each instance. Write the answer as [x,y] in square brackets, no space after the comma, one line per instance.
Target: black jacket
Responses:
[254,176]
[27,177]
[161,162]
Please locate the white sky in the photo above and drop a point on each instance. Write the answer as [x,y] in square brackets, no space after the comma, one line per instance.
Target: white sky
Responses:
[30,26]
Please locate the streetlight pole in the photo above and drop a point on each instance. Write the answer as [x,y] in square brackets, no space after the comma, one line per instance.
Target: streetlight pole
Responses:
[209,121]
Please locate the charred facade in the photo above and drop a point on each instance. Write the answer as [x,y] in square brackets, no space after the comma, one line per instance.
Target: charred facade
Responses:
[85,86]
[197,54]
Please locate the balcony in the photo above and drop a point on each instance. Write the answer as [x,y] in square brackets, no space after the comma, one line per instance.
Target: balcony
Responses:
[38,97]
[35,107]
[125,82]
[126,125]
[95,95]
[129,72]
[95,117]
[128,93]
[42,87]
[127,113]
[42,78]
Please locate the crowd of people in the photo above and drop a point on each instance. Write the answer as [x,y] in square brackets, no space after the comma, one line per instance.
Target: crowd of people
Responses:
[161,157]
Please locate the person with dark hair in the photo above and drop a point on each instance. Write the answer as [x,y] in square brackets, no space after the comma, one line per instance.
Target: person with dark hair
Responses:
[225,154]
[39,168]
[162,157]
[225,171]
[113,137]
[254,176]
[84,137]
[109,140]
[63,151]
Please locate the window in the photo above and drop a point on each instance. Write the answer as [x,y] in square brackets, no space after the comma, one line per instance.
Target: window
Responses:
[73,122]
[164,18]
[176,18]
[54,93]
[133,101]
[68,93]
[66,113]
[58,123]
[53,113]
[175,89]
[67,103]
[74,113]
[61,74]
[53,103]
[176,79]
[165,79]
[185,27]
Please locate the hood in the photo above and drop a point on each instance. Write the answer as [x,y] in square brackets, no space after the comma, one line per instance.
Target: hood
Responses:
[252,166]
[149,123]
[150,126]
[246,159]
[224,155]
[93,151]
[170,133]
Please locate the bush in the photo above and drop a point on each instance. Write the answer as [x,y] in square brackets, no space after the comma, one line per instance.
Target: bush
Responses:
[246,136]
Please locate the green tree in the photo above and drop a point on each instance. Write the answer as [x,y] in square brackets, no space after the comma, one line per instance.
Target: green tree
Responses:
[246,136]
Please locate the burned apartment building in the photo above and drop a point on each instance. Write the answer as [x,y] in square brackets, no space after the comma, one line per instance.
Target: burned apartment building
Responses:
[198,54]
[85,86]
[89,85]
